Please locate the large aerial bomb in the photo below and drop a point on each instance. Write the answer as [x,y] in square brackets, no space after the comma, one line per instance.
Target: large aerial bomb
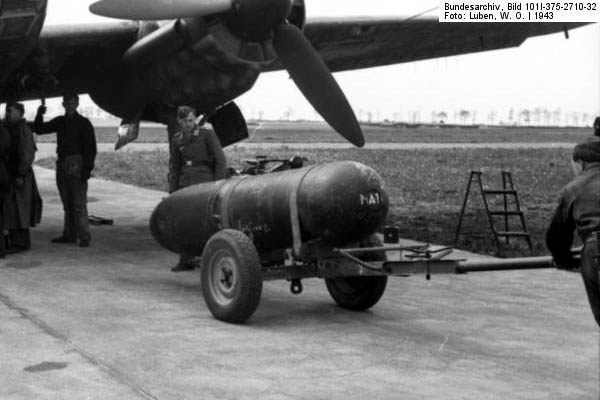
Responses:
[244,228]
[339,203]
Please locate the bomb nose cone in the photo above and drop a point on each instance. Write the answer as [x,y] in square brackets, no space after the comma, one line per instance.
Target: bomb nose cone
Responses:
[343,202]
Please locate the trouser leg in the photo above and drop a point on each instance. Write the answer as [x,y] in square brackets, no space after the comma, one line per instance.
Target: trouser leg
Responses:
[79,209]
[63,191]
[590,272]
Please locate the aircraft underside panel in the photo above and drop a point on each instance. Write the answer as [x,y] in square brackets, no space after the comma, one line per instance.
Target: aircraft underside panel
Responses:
[20,25]
[203,76]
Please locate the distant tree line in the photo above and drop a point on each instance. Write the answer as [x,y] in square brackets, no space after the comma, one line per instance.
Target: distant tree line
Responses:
[538,116]
[517,117]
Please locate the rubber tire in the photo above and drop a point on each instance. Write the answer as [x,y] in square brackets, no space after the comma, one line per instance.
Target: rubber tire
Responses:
[359,293]
[231,248]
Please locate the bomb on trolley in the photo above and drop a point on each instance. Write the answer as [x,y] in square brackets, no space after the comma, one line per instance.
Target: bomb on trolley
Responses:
[292,222]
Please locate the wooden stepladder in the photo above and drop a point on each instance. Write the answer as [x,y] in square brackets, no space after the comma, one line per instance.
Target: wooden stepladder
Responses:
[506,206]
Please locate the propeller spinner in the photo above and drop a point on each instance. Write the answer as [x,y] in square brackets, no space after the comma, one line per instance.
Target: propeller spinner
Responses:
[258,20]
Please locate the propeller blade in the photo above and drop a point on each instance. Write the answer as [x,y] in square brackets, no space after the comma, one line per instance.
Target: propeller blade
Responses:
[159,9]
[315,81]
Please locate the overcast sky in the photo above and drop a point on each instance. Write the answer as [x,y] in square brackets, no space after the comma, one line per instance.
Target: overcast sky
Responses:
[548,72]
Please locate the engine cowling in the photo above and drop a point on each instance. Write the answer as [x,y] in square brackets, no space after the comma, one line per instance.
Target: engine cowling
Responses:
[241,36]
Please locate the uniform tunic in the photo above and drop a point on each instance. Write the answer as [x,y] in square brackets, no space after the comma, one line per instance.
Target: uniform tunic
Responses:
[74,136]
[196,158]
[579,210]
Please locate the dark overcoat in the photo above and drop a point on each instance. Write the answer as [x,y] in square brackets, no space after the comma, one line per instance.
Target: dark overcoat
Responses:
[22,206]
[4,152]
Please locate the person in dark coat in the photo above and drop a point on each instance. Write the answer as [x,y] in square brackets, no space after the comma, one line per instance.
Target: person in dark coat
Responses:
[4,181]
[579,211]
[22,206]
[196,157]
[76,154]
[597,126]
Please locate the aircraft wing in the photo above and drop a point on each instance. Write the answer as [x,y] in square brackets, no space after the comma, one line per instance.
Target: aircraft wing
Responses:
[364,43]
[143,70]
[82,54]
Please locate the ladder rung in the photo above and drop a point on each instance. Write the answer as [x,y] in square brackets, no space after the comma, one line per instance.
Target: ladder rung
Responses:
[512,233]
[501,191]
[506,212]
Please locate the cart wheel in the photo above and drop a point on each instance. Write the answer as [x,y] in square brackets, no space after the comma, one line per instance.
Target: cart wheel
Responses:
[231,276]
[359,293]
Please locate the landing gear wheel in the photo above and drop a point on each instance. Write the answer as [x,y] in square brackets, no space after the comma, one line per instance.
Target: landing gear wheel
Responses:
[359,293]
[231,276]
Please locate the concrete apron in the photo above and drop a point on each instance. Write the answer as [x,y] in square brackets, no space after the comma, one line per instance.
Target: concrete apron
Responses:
[112,322]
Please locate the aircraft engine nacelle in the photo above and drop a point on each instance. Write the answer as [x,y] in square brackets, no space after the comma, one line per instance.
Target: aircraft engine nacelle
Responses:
[157,43]
[245,34]
[340,203]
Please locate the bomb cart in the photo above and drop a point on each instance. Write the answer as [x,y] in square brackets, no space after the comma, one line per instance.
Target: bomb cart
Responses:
[279,220]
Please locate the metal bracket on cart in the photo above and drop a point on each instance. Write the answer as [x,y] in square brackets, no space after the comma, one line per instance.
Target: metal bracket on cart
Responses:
[420,255]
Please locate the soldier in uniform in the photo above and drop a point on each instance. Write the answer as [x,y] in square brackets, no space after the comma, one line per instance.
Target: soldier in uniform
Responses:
[22,206]
[579,210]
[597,126]
[196,157]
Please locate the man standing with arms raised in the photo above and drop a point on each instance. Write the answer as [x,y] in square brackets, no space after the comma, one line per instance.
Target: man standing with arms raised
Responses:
[76,153]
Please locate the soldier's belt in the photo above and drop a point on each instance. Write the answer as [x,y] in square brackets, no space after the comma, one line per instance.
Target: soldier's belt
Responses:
[196,164]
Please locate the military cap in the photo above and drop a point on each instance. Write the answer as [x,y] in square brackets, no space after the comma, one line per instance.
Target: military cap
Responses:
[17,106]
[588,151]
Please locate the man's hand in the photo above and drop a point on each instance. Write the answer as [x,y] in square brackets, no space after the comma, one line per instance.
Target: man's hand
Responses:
[41,110]
[85,175]
[19,182]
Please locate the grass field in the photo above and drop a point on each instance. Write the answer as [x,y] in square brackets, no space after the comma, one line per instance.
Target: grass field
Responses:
[426,187]
[315,132]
